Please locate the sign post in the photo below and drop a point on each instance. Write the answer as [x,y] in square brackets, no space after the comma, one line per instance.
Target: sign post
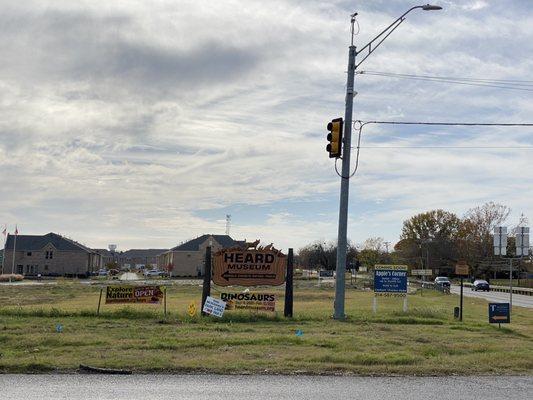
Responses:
[462,269]
[287,312]
[206,289]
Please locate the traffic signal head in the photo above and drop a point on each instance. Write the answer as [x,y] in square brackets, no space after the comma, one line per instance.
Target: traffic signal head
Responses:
[334,146]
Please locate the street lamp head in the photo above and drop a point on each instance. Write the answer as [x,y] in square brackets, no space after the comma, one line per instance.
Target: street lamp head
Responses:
[429,7]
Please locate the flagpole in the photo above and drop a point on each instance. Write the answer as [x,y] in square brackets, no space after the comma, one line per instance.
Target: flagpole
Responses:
[4,254]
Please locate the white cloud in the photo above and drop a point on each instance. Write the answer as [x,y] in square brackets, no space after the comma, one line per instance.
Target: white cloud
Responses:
[123,123]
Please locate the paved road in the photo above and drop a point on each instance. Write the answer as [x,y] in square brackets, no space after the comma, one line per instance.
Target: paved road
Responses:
[496,297]
[196,387]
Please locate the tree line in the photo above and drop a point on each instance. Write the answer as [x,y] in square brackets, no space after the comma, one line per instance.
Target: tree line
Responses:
[432,240]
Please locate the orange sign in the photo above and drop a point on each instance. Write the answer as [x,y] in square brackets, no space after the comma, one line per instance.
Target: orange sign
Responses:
[249,267]
[461,268]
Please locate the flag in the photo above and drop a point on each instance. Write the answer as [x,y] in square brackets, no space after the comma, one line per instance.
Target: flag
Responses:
[16,230]
[4,232]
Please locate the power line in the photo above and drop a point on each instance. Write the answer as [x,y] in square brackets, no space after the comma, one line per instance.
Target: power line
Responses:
[448,147]
[459,81]
[363,123]
[504,81]
[359,125]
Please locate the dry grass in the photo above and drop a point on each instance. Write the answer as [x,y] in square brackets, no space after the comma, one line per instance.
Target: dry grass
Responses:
[424,341]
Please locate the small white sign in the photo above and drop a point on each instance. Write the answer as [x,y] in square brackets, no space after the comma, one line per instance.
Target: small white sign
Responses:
[214,306]
[422,272]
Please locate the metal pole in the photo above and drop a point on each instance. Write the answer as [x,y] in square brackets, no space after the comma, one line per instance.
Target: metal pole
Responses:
[289,295]
[510,285]
[461,302]
[345,186]
[14,253]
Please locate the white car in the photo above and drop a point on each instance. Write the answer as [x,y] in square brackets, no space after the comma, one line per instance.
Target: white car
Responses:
[153,272]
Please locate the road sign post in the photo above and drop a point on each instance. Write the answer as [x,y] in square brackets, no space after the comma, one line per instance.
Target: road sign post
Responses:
[287,312]
[206,290]
[462,269]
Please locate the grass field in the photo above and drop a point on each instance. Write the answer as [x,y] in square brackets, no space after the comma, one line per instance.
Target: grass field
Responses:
[424,341]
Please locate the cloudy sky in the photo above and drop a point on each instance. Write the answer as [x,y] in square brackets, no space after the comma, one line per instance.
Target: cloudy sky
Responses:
[143,123]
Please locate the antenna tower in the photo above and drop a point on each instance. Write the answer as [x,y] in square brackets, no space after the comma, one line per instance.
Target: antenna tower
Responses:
[228,223]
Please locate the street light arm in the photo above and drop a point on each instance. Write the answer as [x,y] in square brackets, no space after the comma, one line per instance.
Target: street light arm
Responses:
[369,46]
[384,34]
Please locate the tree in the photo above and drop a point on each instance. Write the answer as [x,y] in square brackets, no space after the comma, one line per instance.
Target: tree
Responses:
[322,255]
[478,227]
[429,239]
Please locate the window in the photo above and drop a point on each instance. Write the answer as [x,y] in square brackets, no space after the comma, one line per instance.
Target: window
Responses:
[49,254]
[46,267]
[28,253]
[27,269]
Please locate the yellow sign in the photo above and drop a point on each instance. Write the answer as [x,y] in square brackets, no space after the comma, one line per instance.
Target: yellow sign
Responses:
[192,309]
[461,269]
[391,267]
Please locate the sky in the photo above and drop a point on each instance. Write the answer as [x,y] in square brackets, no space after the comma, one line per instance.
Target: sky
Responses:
[143,123]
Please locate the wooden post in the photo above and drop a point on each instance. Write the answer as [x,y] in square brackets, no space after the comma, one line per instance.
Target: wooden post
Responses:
[99,301]
[207,278]
[288,286]
[165,302]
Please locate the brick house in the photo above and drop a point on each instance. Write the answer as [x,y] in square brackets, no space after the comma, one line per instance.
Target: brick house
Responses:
[50,255]
[187,259]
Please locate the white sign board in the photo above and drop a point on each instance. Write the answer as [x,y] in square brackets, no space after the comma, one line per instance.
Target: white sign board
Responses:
[500,241]
[214,306]
[422,272]
[522,241]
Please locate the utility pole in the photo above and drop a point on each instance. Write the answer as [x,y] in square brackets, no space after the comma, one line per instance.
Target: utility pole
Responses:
[342,240]
[345,186]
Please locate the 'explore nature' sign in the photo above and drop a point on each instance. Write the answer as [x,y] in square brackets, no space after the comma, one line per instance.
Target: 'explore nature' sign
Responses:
[133,294]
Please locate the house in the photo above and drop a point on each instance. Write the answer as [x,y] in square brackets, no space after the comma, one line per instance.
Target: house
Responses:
[49,255]
[130,259]
[187,259]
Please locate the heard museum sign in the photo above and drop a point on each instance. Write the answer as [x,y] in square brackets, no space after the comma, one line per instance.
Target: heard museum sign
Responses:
[249,267]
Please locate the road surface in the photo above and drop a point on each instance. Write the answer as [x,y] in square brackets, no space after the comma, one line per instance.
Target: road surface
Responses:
[196,387]
[496,297]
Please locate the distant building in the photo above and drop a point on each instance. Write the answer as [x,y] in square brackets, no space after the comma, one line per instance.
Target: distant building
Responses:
[50,255]
[187,259]
[131,259]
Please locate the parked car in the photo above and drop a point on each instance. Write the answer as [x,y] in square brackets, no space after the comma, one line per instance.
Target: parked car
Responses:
[103,272]
[442,282]
[480,284]
[153,272]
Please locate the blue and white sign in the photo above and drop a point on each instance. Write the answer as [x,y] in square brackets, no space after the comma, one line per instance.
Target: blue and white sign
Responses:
[499,313]
[214,306]
[390,279]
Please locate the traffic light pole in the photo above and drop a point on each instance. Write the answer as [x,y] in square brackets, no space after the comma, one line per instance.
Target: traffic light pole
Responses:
[342,242]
